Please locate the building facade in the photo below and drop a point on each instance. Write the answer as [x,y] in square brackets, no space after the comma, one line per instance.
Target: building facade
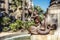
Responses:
[28,4]
[6,7]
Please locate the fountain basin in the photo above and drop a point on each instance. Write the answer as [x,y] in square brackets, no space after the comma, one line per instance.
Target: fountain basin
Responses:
[19,37]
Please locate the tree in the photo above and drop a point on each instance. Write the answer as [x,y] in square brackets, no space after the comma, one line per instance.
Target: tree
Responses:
[18,24]
[13,26]
[40,12]
[4,23]
[5,20]
[15,4]
[16,7]
[39,9]
[28,24]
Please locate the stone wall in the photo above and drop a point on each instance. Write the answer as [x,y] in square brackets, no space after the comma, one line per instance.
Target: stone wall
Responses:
[55,10]
[45,37]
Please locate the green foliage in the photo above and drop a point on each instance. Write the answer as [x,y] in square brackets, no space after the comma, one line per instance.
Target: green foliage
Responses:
[5,20]
[17,2]
[5,29]
[19,23]
[41,16]
[32,8]
[13,7]
[40,12]
[16,25]
[13,26]
[39,9]
[28,24]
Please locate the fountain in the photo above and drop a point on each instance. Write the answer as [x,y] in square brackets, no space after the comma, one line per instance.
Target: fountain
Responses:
[54,12]
[19,37]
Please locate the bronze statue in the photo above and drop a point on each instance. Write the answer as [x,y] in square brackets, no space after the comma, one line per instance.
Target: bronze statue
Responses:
[36,17]
[43,29]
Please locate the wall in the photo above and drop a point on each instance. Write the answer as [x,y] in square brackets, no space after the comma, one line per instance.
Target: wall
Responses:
[45,37]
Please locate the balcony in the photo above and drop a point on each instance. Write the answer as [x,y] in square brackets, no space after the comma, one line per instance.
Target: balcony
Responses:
[10,11]
[11,3]
[2,9]
[2,1]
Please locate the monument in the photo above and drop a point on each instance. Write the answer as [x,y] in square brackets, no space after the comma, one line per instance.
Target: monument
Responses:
[54,12]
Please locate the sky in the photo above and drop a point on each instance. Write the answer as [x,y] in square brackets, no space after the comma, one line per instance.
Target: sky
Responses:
[42,3]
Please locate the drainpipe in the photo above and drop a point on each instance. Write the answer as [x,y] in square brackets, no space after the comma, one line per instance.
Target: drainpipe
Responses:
[6,6]
[23,10]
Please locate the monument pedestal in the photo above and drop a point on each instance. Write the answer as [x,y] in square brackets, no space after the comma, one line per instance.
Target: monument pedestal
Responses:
[58,28]
[54,11]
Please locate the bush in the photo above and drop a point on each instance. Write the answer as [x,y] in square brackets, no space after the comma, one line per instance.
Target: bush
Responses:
[5,29]
[41,17]
[6,20]
[19,23]
[13,26]
[16,25]
[4,23]
[28,24]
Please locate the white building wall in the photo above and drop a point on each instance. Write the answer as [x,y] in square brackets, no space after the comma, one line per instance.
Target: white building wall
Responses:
[30,3]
